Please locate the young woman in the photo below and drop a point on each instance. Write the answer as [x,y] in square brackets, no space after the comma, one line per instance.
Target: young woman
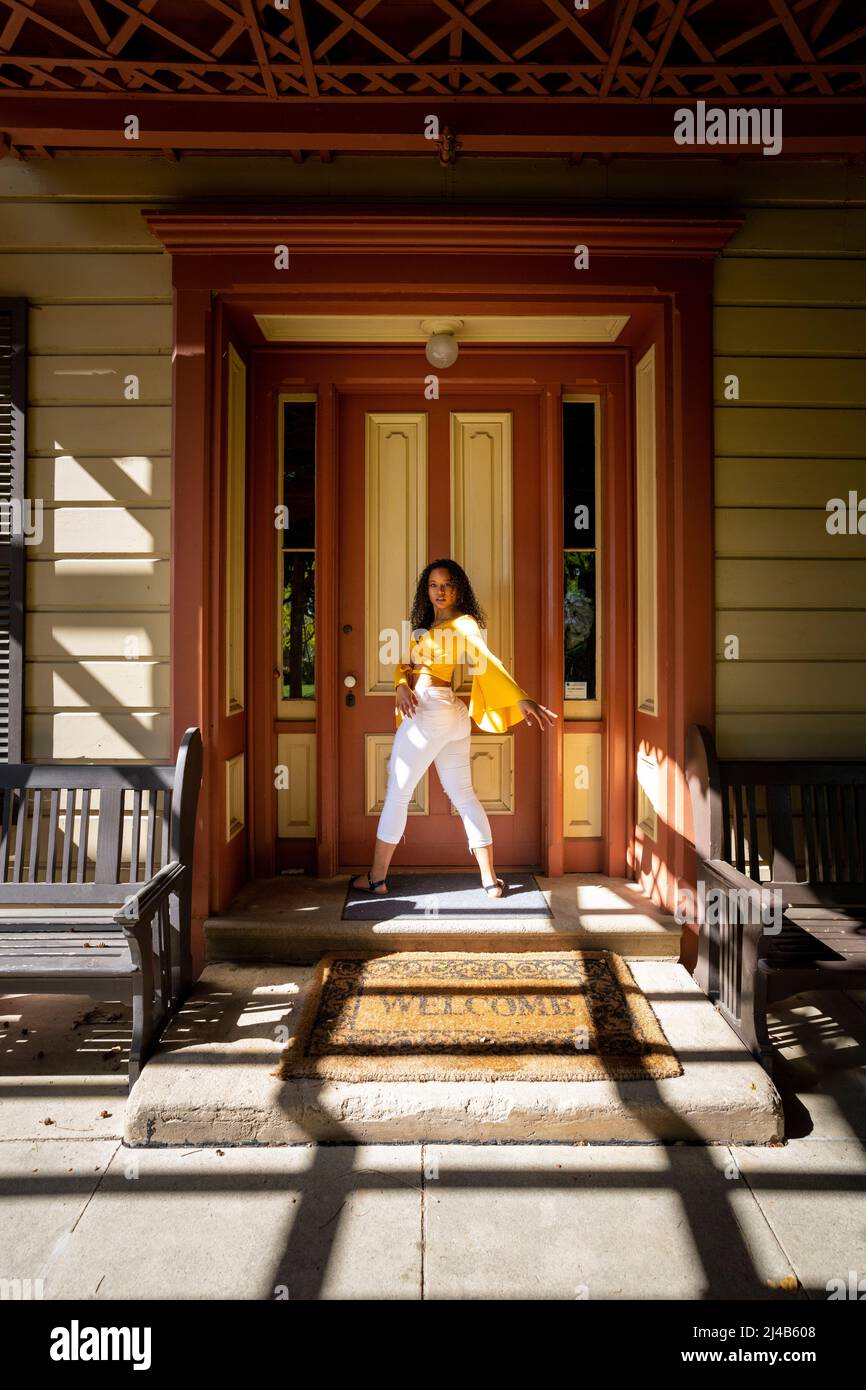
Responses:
[434,725]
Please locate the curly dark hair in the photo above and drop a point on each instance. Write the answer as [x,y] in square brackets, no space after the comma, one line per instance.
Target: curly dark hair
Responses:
[422,615]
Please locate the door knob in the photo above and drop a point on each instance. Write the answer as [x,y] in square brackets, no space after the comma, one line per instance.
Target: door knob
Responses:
[349,681]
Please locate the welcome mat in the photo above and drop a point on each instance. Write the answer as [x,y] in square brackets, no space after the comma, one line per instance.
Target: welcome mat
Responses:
[445,895]
[477,1016]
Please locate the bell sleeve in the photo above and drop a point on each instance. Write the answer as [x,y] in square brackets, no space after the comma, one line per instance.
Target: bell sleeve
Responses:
[493,702]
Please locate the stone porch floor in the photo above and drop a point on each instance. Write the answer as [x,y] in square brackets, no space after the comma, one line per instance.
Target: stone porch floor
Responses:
[297,919]
[647,1221]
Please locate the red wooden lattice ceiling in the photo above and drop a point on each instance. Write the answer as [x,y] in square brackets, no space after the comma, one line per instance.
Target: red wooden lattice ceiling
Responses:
[382,53]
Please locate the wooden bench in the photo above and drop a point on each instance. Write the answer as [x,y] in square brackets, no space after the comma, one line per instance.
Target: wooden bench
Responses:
[106,924]
[781,852]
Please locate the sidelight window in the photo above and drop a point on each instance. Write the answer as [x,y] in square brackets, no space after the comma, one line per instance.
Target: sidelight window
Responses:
[581,528]
[297,518]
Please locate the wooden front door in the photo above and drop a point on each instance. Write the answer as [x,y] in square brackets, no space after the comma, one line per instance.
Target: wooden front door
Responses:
[423,480]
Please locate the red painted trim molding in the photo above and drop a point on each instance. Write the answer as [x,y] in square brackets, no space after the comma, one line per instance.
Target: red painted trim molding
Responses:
[198,230]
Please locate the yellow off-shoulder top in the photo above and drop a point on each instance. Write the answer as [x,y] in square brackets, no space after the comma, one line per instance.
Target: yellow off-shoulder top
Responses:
[494,696]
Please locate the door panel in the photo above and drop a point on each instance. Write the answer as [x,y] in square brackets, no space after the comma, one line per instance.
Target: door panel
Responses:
[448,480]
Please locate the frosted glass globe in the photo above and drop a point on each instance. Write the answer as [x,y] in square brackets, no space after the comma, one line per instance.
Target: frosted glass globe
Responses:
[442,350]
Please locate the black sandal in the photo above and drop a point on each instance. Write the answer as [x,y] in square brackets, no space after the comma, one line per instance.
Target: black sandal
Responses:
[373,886]
[498,883]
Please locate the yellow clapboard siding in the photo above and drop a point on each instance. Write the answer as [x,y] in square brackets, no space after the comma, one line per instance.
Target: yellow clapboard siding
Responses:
[100,429]
[96,328]
[52,278]
[745,686]
[56,226]
[790,583]
[784,281]
[762,179]
[771,635]
[97,685]
[799,332]
[123,584]
[138,179]
[104,531]
[82,736]
[778,482]
[761,531]
[127,478]
[800,232]
[791,736]
[99,380]
[792,381]
[132,636]
[793,433]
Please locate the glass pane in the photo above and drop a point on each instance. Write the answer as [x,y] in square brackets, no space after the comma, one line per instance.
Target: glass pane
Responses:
[578,474]
[299,634]
[579,626]
[299,473]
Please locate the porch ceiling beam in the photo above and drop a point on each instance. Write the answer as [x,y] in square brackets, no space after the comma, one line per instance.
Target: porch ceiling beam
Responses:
[365,8]
[224,43]
[252,25]
[353,22]
[544,37]
[462,19]
[455,47]
[25,12]
[96,24]
[674,23]
[230,135]
[698,47]
[616,52]
[290,77]
[821,21]
[129,26]
[798,42]
[304,49]
[14,24]
[567,17]
[143,18]
[843,42]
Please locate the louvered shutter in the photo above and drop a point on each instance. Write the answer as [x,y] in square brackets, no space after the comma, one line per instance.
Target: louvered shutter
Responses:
[13,417]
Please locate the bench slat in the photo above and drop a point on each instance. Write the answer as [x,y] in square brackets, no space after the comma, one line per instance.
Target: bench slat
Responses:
[754,846]
[19,835]
[51,849]
[738,812]
[83,835]
[68,833]
[8,794]
[811,865]
[136,833]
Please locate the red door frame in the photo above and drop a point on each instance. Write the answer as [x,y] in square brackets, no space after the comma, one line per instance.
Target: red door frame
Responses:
[350,262]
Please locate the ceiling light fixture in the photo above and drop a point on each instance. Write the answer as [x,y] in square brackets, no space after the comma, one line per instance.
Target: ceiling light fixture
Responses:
[442,349]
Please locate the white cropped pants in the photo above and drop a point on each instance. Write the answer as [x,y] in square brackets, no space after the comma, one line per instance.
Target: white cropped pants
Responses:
[438,732]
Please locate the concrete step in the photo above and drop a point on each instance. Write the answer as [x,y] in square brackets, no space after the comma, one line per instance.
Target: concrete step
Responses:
[211,1083]
[297,919]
